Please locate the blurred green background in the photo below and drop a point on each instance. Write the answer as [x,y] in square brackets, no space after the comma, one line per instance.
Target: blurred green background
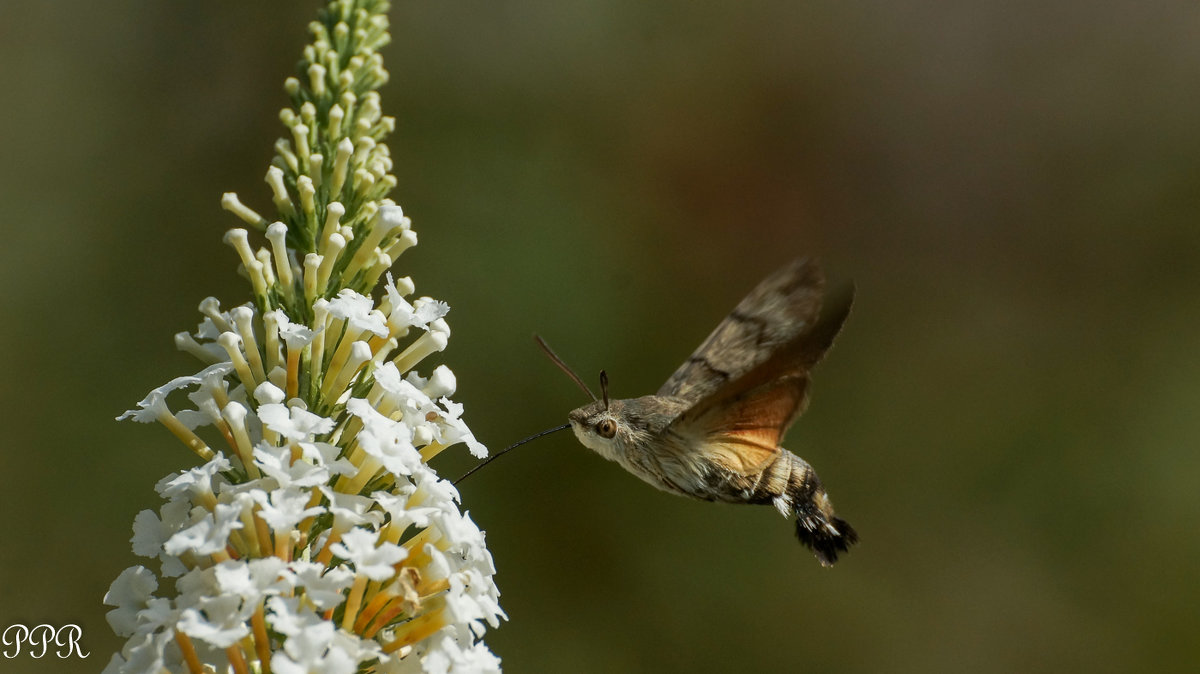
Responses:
[1009,418]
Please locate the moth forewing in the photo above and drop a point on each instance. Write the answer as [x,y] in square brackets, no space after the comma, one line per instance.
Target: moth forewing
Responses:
[780,307]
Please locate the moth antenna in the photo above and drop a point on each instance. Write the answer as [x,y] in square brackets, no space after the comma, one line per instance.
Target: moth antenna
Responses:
[604,388]
[511,447]
[563,366]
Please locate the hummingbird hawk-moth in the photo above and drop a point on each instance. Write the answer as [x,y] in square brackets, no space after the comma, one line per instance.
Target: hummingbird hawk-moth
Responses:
[714,430]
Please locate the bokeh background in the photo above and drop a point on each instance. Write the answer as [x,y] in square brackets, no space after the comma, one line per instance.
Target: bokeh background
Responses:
[1010,417]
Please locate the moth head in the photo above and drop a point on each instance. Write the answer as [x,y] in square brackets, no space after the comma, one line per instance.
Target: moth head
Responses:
[599,426]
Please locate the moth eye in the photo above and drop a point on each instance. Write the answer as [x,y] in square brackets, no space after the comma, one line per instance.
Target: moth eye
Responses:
[606,428]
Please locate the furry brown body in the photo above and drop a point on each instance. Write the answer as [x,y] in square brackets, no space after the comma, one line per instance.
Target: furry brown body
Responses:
[713,431]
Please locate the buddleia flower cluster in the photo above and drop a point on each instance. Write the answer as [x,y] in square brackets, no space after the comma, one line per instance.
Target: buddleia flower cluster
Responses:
[314,537]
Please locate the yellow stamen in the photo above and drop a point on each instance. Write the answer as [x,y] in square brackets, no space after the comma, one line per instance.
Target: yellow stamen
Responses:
[263,532]
[306,523]
[277,235]
[336,116]
[188,344]
[283,548]
[237,660]
[256,271]
[333,216]
[272,347]
[404,599]
[433,587]
[353,602]
[293,372]
[407,240]
[341,162]
[242,317]
[337,243]
[381,262]
[263,257]
[370,466]
[413,631]
[300,138]
[315,161]
[431,450]
[231,342]
[333,387]
[185,434]
[338,361]
[279,189]
[231,203]
[249,533]
[316,365]
[416,546]
[326,553]
[304,185]
[262,642]
[372,609]
[284,149]
[189,653]
[431,341]
[239,239]
[312,265]
[235,415]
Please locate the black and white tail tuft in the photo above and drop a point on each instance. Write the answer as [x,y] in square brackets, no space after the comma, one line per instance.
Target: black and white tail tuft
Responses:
[825,537]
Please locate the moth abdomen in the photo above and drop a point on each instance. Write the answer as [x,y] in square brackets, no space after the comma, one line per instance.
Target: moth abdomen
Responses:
[817,527]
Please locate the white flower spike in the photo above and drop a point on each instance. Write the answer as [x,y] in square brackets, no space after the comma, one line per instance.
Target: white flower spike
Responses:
[315,537]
